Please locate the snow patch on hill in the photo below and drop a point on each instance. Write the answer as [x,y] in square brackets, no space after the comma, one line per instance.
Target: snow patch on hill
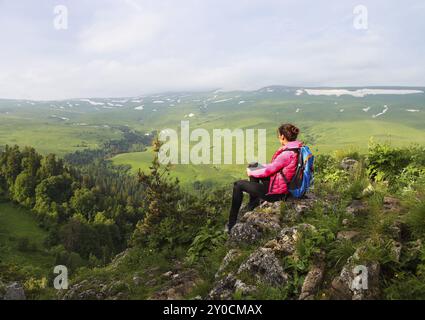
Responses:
[93,103]
[381,113]
[360,93]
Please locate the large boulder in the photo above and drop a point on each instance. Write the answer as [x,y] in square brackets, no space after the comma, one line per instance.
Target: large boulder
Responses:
[253,225]
[244,233]
[265,267]
[263,221]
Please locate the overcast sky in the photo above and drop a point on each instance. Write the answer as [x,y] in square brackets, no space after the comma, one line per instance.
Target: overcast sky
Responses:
[129,47]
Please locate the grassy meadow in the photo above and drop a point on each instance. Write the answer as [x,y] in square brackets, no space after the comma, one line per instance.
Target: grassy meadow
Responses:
[22,241]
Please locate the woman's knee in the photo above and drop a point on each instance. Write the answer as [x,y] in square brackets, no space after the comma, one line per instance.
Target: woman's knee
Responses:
[239,185]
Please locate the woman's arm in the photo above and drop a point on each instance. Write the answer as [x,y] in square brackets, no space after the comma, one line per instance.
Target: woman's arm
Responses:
[270,169]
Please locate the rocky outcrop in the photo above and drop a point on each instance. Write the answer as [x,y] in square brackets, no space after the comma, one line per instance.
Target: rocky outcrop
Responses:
[356,281]
[284,243]
[223,289]
[244,233]
[231,256]
[276,229]
[96,289]
[13,291]
[264,266]
[312,281]
[253,225]
[180,285]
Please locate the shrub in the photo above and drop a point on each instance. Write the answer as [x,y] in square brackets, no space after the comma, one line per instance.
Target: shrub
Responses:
[416,220]
[24,245]
[208,239]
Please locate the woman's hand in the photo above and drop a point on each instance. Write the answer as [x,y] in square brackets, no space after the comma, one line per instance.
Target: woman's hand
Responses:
[248,172]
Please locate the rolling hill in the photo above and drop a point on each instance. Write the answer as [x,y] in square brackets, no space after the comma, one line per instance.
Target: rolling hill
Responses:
[330,118]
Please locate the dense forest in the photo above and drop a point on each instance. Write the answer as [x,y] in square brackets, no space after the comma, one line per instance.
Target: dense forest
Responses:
[94,211]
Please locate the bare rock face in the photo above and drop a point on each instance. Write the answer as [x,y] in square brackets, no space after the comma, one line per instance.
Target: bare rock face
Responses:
[348,164]
[243,288]
[244,233]
[230,256]
[254,224]
[265,267]
[14,291]
[312,281]
[262,221]
[223,289]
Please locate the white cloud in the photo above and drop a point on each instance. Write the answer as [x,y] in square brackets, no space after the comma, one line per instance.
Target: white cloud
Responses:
[118,33]
[132,47]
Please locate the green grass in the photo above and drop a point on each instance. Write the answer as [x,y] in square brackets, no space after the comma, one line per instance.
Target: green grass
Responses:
[17,223]
[319,118]
[330,137]
[187,174]
[48,137]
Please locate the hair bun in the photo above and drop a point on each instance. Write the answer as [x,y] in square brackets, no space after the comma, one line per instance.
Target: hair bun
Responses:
[289,131]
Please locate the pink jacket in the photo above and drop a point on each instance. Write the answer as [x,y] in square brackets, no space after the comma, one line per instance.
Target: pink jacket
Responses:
[281,160]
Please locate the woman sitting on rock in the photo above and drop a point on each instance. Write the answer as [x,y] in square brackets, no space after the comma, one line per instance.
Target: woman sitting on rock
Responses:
[268,182]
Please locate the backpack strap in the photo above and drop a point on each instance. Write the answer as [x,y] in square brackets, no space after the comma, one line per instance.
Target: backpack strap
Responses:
[281,171]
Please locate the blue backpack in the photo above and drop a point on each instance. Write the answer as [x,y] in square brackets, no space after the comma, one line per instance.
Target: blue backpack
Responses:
[303,178]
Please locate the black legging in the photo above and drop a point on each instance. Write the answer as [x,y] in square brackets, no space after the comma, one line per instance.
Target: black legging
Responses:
[257,189]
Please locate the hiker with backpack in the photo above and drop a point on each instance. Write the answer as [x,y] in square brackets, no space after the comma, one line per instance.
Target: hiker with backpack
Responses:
[289,174]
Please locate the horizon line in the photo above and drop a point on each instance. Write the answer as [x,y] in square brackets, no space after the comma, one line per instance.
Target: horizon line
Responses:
[222,90]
